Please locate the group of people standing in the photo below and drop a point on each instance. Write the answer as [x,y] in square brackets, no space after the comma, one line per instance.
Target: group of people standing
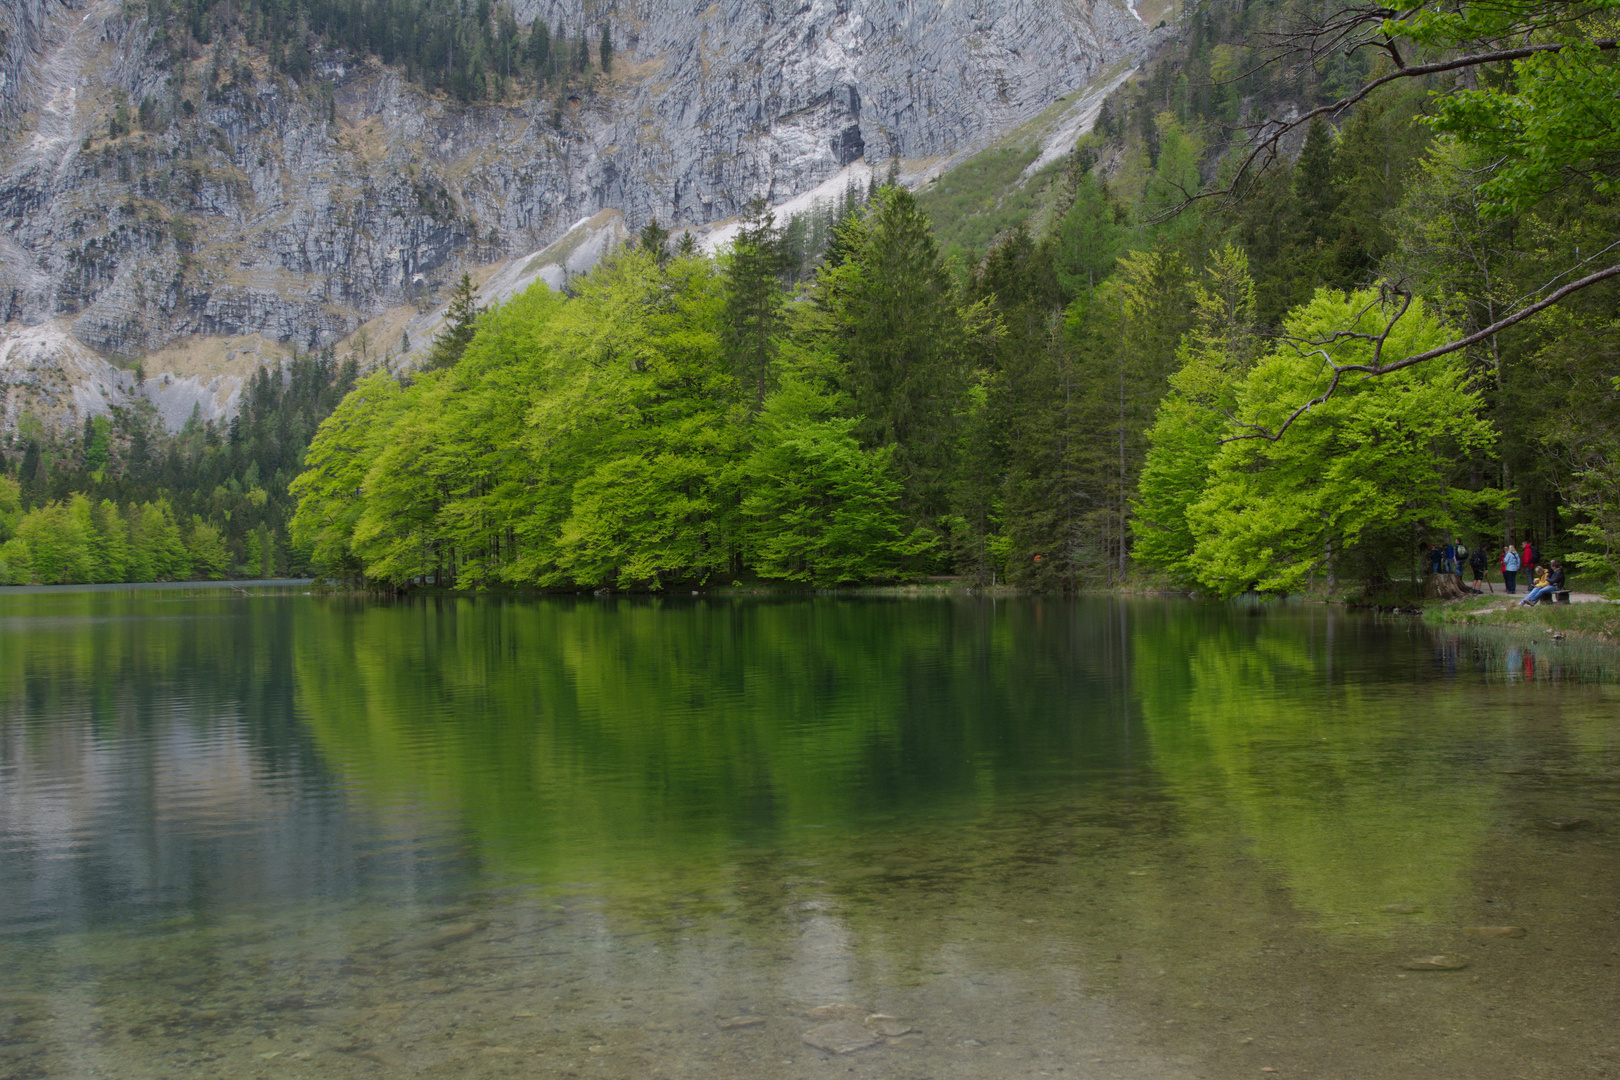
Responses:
[1547,581]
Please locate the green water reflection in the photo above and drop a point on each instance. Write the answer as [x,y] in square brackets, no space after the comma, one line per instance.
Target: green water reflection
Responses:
[277,824]
[578,738]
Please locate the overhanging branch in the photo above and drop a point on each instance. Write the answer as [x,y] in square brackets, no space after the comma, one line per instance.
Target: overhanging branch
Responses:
[1378,367]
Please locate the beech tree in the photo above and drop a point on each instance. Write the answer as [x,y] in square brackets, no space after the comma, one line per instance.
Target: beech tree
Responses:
[1359,474]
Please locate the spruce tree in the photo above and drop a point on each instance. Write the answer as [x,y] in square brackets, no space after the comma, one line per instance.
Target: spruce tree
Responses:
[606,50]
[654,239]
[753,316]
[459,319]
[539,51]
[902,339]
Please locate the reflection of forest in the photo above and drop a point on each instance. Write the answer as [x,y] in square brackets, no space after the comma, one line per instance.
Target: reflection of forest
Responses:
[993,819]
[571,733]
[149,760]
[1314,741]
[626,741]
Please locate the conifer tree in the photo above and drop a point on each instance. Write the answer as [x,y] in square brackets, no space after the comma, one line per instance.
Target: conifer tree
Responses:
[654,239]
[605,50]
[753,315]
[1215,356]
[538,51]
[460,318]
[903,341]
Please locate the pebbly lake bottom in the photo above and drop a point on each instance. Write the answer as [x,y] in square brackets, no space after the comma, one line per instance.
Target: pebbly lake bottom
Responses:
[295,836]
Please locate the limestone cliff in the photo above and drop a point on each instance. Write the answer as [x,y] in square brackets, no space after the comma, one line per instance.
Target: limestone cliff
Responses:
[265,215]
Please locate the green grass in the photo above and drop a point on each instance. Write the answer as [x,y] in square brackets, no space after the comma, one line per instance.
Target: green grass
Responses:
[987,195]
[1600,621]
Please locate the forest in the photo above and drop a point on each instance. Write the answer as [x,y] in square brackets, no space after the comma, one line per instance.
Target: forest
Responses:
[127,501]
[470,51]
[1237,353]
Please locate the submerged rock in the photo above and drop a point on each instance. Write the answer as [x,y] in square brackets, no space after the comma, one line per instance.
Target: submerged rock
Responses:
[836,1011]
[840,1037]
[1436,963]
[1569,824]
[737,1022]
[890,1026]
[450,935]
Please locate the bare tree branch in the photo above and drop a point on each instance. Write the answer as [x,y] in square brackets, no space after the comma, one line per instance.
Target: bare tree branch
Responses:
[1271,134]
[1378,367]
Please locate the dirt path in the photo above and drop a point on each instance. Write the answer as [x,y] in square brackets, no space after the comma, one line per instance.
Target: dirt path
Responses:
[1508,600]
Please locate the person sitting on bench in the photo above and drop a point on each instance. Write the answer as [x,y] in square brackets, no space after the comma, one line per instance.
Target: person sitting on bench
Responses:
[1560,593]
[1545,587]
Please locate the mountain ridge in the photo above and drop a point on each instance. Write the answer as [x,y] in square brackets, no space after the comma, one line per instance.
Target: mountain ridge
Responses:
[260,207]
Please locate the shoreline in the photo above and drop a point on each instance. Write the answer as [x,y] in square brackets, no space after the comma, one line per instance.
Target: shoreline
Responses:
[1592,618]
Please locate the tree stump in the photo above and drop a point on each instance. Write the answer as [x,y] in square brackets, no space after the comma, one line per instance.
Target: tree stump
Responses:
[1444,587]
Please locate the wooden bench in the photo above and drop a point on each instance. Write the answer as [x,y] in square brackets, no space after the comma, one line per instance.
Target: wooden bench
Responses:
[1561,596]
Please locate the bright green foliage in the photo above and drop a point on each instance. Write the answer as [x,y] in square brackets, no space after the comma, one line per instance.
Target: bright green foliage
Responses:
[79,541]
[1556,118]
[16,566]
[209,558]
[109,543]
[330,489]
[10,506]
[156,546]
[1358,475]
[635,432]
[57,546]
[821,509]
[605,440]
[1195,415]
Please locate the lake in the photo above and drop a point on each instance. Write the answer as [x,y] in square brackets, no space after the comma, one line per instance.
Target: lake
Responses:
[259,833]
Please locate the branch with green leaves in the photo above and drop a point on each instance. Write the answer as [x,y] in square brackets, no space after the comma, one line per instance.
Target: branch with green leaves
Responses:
[1548,118]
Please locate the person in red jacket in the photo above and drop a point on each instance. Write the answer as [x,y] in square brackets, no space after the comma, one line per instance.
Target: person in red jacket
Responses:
[1529,559]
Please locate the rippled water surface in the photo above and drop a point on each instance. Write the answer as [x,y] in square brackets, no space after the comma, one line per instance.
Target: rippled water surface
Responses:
[277,835]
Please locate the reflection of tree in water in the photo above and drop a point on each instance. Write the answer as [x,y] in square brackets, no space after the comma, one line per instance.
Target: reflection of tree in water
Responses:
[1345,786]
[572,733]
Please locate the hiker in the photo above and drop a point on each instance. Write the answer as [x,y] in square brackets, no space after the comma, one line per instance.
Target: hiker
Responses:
[1510,567]
[1528,561]
[1556,581]
[1542,587]
[1450,556]
[1476,563]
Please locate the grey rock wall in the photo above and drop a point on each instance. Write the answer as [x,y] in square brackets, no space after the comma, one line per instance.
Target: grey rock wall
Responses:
[255,211]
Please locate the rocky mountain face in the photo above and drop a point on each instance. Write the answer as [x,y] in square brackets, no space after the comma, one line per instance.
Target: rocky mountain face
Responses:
[245,214]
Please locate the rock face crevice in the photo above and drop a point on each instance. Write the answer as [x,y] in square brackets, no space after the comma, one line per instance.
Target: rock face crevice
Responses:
[261,206]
